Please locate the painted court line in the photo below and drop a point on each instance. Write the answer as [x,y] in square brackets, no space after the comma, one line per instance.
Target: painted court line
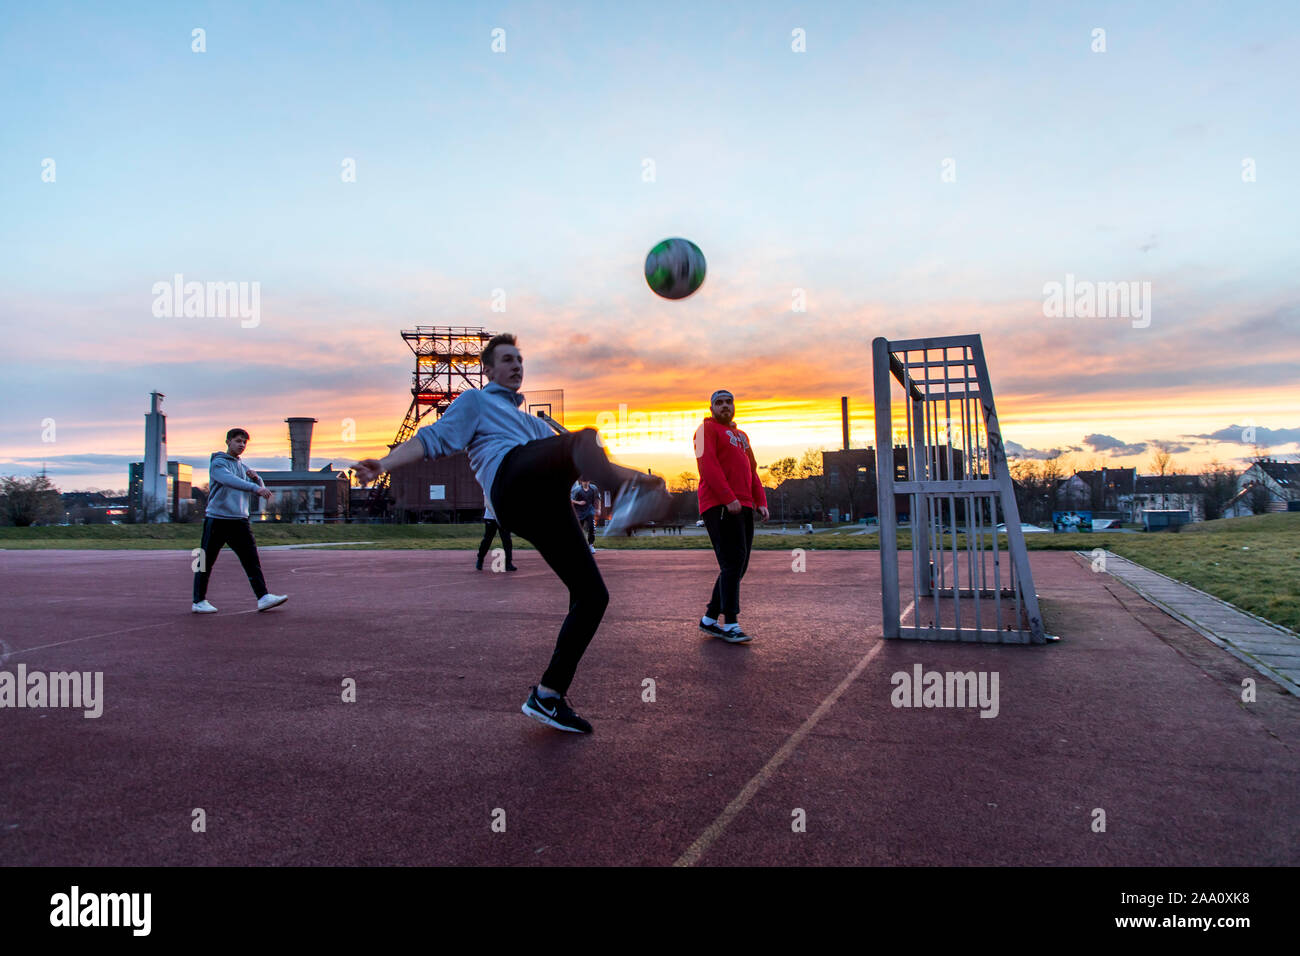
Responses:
[715,829]
[126,630]
[78,640]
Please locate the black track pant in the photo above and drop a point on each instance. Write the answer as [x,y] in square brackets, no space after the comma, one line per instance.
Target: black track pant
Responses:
[490,529]
[588,526]
[530,496]
[733,539]
[236,533]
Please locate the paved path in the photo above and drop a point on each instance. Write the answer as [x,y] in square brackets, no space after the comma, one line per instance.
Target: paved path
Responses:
[1271,650]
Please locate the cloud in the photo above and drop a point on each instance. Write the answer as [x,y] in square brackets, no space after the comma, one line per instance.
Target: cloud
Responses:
[1108,443]
[1017,450]
[91,463]
[57,466]
[1267,437]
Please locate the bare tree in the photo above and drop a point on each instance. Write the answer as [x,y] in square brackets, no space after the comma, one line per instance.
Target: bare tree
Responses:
[1218,485]
[1023,477]
[30,501]
[1162,466]
[780,470]
[810,467]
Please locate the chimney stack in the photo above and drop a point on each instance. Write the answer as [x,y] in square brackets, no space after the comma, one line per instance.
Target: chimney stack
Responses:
[300,443]
[844,415]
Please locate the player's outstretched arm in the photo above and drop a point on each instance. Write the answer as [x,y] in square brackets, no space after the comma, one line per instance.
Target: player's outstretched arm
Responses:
[408,452]
[449,434]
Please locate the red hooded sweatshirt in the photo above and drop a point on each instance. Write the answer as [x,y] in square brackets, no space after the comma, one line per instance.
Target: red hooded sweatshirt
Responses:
[728,470]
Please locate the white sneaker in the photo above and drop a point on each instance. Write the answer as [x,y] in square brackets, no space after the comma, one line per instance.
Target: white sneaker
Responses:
[593,548]
[268,601]
[204,607]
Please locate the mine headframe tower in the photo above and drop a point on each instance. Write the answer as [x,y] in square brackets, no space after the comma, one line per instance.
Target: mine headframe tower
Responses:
[448,361]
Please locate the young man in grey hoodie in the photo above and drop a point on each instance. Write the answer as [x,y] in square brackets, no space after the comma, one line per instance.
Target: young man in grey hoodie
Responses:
[229,483]
[527,472]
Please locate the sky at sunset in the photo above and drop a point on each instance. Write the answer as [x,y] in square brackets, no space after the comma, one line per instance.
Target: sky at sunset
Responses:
[912,170]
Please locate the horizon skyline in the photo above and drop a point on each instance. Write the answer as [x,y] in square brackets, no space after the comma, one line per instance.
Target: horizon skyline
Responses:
[642,446]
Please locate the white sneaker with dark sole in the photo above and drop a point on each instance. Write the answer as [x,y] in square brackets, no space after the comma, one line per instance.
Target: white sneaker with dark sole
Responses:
[268,601]
[203,607]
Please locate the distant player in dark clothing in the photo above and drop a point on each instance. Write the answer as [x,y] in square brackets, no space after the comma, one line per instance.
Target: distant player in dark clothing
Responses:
[586,505]
[490,530]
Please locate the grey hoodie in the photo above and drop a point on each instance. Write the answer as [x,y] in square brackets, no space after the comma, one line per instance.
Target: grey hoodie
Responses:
[229,487]
[488,422]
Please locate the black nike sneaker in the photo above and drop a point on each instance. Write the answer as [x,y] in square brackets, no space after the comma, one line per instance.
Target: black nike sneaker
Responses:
[713,629]
[555,712]
[734,635]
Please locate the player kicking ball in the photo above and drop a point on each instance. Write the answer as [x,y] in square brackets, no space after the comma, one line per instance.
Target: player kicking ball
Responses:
[527,472]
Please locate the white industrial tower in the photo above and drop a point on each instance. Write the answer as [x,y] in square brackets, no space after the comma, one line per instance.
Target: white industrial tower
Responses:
[153,486]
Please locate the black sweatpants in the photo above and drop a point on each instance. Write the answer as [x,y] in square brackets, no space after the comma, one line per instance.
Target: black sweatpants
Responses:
[530,496]
[588,526]
[490,529]
[236,533]
[733,539]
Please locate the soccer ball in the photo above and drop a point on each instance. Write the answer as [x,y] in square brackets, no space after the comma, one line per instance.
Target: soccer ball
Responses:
[675,268]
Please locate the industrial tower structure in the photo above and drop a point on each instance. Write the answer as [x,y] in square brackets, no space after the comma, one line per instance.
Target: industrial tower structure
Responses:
[448,361]
[153,487]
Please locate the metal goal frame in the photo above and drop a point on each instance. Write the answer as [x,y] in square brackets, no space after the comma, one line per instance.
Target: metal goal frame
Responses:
[952,466]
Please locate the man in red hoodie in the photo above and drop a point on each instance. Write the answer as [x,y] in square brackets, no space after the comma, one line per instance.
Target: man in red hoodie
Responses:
[729,494]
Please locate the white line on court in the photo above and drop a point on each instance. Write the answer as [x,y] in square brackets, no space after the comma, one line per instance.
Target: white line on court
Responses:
[714,829]
[125,630]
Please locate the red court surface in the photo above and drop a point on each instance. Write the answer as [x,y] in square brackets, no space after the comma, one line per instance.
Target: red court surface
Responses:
[241,714]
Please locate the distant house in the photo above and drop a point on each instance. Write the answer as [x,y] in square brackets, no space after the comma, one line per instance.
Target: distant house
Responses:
[1169,493]
[1106,489]
[850,484]
[1281,478]
[304,497]
[1238,505]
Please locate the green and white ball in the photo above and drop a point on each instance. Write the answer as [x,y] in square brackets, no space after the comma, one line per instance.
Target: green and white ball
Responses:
[675,268]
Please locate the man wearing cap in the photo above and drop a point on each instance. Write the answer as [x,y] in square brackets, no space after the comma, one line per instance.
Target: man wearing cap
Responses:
[729,494]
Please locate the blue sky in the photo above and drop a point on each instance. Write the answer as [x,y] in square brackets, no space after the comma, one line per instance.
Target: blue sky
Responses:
[522,171]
